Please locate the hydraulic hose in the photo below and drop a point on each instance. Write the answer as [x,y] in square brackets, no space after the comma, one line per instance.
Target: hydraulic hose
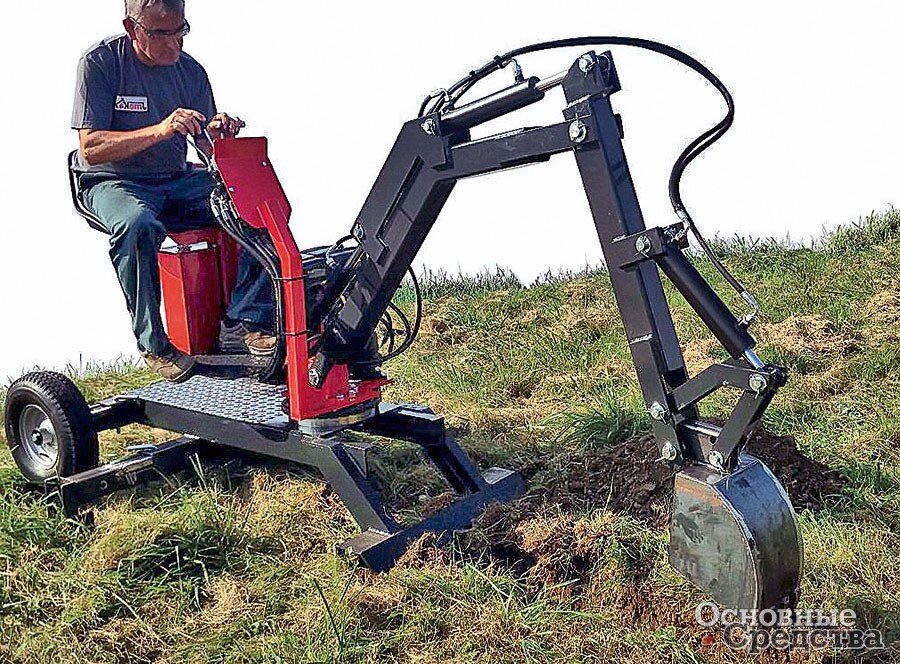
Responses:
[238,230]
[224,212]
[445,99]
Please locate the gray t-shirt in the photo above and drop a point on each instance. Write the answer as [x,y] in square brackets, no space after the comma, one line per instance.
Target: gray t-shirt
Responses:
[115,91]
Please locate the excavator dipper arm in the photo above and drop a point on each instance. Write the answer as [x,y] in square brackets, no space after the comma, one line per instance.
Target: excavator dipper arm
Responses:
[434,151]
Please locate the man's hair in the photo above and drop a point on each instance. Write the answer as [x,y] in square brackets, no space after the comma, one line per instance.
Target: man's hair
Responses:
[135,8]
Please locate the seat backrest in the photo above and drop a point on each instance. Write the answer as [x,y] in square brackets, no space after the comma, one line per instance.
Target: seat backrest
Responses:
[80,206]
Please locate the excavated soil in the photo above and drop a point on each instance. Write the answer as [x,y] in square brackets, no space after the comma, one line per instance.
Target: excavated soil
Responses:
[628,479]
[541,539]
[586,556]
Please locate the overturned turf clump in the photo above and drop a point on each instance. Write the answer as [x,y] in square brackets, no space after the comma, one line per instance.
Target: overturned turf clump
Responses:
[555,553]
[811,333]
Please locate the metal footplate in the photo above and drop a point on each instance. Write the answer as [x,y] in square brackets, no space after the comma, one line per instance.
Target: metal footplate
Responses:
[380,550]
[736,535]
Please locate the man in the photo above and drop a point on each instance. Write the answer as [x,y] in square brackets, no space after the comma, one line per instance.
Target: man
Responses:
[137,98]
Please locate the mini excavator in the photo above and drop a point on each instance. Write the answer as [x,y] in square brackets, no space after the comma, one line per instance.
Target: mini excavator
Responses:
[733,531]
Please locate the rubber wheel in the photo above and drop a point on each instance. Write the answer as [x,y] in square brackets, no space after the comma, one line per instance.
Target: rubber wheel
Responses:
[49,427]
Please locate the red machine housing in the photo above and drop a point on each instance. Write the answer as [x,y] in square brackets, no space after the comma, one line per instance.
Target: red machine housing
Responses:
[197,276]
[260,201]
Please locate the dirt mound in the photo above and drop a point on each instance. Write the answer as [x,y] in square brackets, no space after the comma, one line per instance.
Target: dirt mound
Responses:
[442,333]
[807,482]
[625,479]
[555,552]
[628,479]
[882,315]
[562,543]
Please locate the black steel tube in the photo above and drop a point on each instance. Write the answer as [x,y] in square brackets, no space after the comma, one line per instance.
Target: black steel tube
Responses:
[705,301]
[493,106]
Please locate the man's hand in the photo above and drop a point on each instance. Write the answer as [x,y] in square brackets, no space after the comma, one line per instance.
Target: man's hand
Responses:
[225,125]
[183,121]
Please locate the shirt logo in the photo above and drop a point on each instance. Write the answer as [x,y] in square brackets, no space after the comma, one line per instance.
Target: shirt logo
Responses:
[131,104]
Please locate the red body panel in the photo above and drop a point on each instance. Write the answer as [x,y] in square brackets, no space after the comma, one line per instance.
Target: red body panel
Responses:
[196,284]
[260,201]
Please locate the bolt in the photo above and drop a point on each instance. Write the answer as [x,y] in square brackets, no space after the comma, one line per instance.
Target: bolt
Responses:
[658,412]
[716,459]
[577,131]
[669,452]
[642,245]
[314,376]
[429,126]
[231,189]
[36,437]
[758,382]
[358,232]
[104,485]
[586,63]
[265,163]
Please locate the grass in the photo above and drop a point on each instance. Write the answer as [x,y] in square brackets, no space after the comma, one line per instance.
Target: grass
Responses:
[236,565]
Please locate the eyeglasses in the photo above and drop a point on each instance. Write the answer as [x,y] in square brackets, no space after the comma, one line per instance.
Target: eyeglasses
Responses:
[164,34]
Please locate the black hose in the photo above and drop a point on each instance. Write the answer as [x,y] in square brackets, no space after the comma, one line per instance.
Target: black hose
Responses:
[237,229]
[389,336]
[404,321]
[329,261]
[412,331]
[697,146]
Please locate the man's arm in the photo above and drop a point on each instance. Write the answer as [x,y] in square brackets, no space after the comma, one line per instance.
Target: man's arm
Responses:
[101,146]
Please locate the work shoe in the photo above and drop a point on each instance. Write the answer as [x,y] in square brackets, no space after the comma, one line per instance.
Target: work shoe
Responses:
[238,337]
[260,343]
[173,365]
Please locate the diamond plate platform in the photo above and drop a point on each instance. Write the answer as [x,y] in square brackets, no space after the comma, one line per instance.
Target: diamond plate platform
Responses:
[243,398]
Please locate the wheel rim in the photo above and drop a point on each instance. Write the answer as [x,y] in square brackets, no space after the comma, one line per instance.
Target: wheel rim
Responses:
[37,437]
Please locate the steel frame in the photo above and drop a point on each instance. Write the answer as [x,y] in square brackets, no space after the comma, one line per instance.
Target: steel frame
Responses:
[342,459]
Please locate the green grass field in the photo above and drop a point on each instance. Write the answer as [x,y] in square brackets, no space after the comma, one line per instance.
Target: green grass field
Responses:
[237,565]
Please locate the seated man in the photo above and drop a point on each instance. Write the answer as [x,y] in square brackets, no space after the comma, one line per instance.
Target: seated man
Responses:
[138,96]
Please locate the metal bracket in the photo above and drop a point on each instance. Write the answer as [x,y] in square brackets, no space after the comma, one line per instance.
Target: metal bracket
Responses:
[628,251]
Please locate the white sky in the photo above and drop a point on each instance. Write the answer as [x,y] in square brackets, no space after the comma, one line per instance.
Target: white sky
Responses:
[815,141]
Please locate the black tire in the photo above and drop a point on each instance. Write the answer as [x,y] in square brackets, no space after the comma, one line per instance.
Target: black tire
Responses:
[60,439]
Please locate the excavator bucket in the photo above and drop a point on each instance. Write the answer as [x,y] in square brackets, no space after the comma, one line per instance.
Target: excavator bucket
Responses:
[735,535]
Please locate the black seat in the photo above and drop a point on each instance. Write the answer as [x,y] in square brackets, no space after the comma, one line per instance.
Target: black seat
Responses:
[80,206]
[170,211]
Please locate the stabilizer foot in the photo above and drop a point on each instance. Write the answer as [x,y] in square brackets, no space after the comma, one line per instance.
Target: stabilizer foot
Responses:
[379,551]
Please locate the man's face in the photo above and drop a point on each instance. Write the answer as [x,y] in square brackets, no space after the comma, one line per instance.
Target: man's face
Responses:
[152,47]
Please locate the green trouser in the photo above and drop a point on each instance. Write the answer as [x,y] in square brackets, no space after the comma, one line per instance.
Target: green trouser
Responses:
[132,210]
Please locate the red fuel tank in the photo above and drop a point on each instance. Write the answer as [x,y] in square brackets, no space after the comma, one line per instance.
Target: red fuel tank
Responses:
[197,276]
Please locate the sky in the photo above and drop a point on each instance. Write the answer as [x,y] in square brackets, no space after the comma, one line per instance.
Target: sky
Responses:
[814,142]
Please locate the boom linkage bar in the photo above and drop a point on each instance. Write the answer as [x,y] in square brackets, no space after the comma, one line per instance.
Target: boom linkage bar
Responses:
[435,151]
